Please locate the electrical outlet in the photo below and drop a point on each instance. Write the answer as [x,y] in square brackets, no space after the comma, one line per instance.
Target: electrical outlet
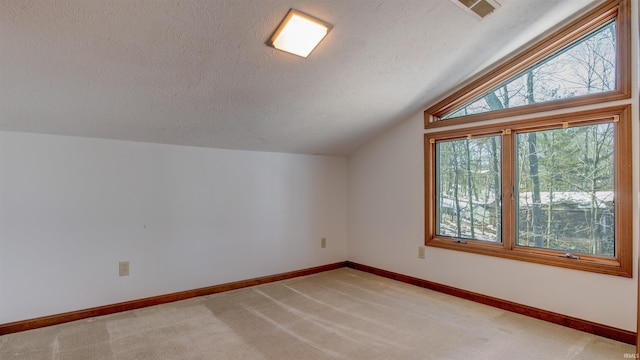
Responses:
[123,268]
[420,252]
[323,243]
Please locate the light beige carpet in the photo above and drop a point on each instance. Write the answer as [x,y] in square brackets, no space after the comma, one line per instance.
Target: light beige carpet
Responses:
[340,314]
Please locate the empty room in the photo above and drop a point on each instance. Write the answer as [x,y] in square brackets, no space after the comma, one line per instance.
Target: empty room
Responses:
[330,179]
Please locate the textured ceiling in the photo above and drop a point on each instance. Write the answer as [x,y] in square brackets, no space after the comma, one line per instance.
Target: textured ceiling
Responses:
[199,73]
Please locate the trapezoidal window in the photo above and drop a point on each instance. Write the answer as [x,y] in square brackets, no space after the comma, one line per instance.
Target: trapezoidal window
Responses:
[586,62]
[586,67]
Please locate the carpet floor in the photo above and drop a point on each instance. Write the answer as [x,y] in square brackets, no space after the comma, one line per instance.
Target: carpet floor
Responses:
[339,314]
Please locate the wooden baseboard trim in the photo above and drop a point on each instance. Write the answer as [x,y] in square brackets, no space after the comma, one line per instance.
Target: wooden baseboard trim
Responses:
[625,336]
[30,324]
[610,332]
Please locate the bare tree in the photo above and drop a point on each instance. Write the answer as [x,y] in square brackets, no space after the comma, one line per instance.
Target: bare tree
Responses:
[536,216]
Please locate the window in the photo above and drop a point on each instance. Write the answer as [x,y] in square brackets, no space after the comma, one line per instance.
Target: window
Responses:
[564,189]
[551,189]
[583,68]
[468,188]
[585,62]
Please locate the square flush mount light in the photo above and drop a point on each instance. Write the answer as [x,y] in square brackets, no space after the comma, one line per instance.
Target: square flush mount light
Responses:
[299,33]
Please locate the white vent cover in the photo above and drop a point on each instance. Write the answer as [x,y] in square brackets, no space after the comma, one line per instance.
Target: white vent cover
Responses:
[477,8]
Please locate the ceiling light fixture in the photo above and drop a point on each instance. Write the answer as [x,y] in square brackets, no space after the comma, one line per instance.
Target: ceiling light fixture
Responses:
[299,33]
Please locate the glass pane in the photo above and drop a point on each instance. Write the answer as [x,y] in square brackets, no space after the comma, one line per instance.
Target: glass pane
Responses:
[565,180]
[468,188]
[586,67]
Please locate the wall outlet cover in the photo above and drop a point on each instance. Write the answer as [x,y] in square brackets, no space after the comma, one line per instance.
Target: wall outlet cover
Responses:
[123,268]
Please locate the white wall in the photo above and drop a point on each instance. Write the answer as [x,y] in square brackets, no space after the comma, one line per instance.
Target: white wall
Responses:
[185,217]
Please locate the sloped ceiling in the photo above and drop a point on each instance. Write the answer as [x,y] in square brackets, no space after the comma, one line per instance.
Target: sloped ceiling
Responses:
[199,73]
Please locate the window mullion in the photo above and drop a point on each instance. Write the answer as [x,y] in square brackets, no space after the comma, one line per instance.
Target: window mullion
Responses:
[508,183]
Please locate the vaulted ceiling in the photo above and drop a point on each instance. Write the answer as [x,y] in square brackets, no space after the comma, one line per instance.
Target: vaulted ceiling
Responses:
[198,72]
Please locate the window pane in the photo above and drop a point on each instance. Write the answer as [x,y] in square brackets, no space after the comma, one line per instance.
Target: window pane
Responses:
[565,180]
[468,188]
[586,67]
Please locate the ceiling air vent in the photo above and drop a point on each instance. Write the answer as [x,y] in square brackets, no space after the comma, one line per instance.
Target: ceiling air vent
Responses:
[477,8]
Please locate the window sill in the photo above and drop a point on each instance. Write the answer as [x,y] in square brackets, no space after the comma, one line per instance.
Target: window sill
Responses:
[599,265]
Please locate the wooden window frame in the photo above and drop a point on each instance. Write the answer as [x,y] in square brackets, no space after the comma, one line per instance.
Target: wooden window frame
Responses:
[620,264]
[620,10]
[531,117]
